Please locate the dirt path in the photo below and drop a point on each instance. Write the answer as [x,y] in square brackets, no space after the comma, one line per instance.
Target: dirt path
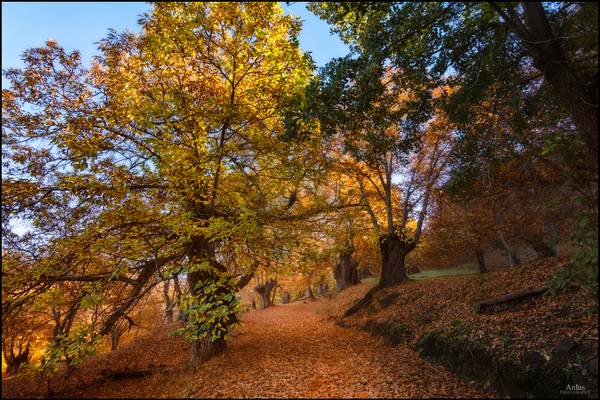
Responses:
[291,351]
[284,351]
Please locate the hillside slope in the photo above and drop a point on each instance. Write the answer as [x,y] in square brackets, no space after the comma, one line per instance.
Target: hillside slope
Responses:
[552,338]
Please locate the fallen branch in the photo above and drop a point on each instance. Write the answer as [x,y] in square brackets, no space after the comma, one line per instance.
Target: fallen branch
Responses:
[509,297]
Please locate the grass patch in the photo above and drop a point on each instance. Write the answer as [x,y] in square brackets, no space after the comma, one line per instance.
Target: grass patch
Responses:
[465,269]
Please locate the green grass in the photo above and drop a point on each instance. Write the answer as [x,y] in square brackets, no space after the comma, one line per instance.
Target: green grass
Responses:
[465,269]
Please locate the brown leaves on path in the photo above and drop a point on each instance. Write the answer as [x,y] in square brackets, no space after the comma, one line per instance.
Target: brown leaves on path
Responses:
[288,351]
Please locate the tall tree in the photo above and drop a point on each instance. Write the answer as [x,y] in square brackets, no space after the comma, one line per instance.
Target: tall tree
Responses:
[381,127]
[168,148]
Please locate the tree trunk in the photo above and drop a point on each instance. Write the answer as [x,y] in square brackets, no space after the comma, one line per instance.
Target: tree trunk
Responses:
[346,270]
[115,336]
[285,298]
[511,253]
[481,261]
[119,328]
[274,293]
[322,289]
[169,302]
[177,301]
[513,258]
[577,90]
[393,254]
[309,293]
[14,363]
[264,291]
[509,297]
[204,349]
[202,250]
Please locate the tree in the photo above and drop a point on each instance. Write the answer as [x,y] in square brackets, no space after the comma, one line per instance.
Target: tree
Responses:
[157,157]
[383,132]
[477,45]
[457,230]
[264,291]
[345,270]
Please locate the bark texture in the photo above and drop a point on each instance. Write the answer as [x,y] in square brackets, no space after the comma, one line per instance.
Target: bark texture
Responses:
[204,349]
[393,254]
[169,301]
[322,289]
[345,271]
[15,361]
[264,291]
[202,250]
[309,294]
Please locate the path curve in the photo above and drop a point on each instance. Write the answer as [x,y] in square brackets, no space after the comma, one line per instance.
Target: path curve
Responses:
[292,351]
[287,350]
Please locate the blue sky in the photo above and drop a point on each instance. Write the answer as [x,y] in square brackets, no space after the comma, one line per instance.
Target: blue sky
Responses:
[77,25]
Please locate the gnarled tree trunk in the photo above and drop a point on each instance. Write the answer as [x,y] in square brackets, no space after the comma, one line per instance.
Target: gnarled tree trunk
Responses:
[345,271]
[202,250]
[393,254]
[120,327]
[15,361]
[309,293]
[204,349]
[115,334]
[274,293]
[322,289]
[177,295]
[264,291]
[169,301]
[393,269]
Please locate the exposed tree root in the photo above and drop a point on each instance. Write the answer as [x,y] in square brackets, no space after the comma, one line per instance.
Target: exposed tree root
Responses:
[362,302]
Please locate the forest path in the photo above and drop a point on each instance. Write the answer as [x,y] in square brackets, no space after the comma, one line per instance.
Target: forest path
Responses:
[293,351]
[290,350]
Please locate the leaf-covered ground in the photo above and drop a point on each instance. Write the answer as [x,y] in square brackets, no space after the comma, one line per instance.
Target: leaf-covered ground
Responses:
[516,331]
[535,324]
[297,350]
[285,351]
